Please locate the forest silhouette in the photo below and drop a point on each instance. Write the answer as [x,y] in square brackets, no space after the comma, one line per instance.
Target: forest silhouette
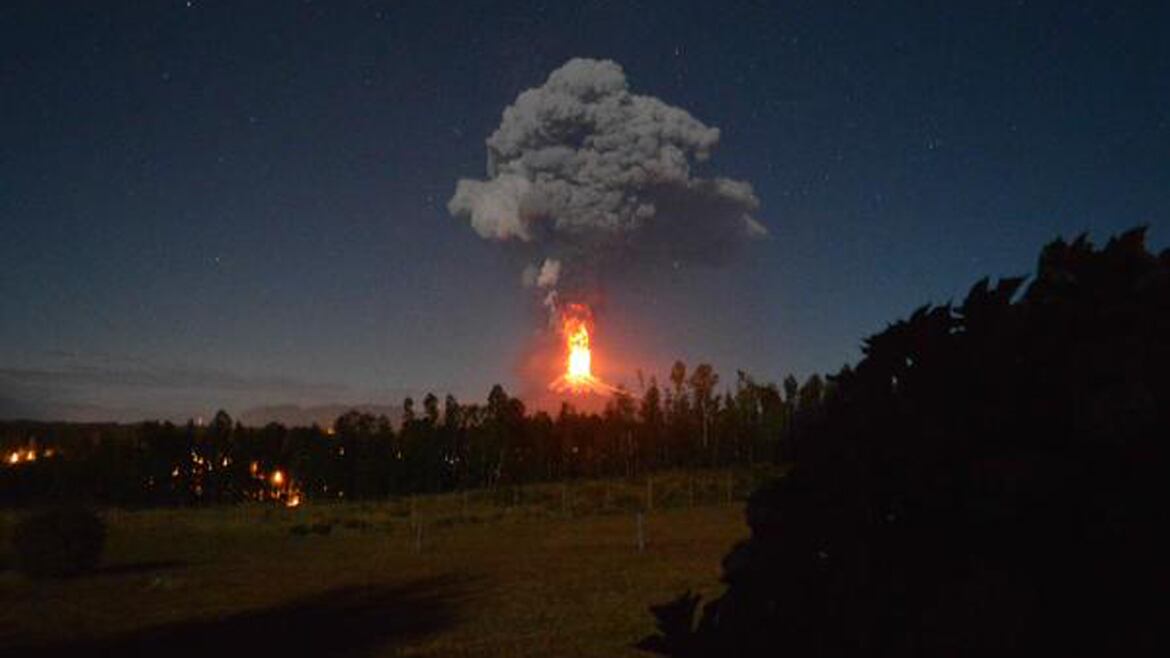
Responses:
[447,446]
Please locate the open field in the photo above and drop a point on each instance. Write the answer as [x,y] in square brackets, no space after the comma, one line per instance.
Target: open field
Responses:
[544,570]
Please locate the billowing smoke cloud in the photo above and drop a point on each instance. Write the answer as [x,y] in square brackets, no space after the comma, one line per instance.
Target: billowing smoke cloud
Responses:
[593,176]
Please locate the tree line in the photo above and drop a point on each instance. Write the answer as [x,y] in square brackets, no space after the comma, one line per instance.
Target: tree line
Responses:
[438,445]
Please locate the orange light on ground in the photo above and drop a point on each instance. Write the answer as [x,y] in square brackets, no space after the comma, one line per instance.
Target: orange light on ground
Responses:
[294,500]
[25,456]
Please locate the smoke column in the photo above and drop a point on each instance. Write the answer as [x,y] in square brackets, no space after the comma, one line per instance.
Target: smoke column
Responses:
[592,178]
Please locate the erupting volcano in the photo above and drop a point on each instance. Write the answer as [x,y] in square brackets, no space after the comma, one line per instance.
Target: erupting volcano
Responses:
[592,184]
[578,378]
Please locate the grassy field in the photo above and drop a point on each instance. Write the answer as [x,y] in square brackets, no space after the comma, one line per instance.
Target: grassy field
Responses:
[545,570]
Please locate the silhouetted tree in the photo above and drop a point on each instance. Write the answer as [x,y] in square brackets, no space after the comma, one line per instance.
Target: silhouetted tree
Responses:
[652,425]
[703,382]
[984,482]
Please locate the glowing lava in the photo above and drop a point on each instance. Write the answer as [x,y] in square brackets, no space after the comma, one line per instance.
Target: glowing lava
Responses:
[580,360]
[578,378]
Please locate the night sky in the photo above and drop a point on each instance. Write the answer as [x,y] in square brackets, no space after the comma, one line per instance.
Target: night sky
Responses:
[208,204]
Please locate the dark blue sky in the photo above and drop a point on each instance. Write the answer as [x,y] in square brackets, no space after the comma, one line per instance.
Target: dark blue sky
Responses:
[227,204]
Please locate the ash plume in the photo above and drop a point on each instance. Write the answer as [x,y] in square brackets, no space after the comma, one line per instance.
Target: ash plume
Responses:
[590,176]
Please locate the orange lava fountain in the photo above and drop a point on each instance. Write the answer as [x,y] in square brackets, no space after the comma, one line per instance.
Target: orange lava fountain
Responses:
[578,379]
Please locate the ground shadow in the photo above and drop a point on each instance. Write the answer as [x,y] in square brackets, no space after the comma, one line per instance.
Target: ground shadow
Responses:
[145,566]
[349,621]
[123,569]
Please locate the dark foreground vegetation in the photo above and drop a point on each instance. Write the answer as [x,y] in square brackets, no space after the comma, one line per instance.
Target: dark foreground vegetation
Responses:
[59,542]
[988,480]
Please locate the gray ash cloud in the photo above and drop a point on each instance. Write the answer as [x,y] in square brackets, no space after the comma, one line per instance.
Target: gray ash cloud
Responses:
[592,178]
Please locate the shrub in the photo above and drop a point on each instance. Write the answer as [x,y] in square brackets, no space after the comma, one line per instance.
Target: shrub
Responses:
[59,543]
[303,529]
[357,524]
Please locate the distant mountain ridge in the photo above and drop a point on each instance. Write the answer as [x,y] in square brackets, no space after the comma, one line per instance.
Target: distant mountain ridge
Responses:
[291,415]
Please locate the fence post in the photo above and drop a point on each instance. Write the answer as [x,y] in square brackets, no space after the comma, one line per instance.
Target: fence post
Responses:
[641,532]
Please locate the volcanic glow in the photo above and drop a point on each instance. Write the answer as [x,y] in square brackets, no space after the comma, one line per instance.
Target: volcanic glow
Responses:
[579,358]
[576,320]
